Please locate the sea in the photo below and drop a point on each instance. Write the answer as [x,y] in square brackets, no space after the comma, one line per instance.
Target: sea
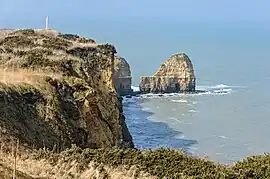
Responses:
[227,122]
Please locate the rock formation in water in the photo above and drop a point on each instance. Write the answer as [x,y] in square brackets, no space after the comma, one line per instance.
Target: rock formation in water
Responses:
[58,90]
[173,76]
[122,76]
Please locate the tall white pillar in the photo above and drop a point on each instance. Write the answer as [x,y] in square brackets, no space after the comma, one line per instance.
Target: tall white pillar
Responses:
[47,23]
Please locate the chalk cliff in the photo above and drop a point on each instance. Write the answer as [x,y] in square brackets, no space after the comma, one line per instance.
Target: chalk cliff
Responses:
[122,76]
[173,76]
[57,90]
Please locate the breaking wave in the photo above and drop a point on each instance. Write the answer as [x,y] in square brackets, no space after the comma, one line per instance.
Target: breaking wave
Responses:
[179,101]
[220,89]
[135,88]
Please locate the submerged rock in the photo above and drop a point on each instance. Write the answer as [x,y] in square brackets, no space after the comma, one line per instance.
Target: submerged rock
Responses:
[173,76]
[122,76]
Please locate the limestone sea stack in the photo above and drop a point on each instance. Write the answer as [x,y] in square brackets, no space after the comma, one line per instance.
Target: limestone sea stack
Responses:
[174,76]
[122,76]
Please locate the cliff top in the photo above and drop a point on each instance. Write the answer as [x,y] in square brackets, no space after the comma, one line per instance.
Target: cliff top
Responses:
[42,52]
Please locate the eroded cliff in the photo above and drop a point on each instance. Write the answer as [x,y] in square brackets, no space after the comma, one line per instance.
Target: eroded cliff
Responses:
[174,75]
[57,90]
[122,76]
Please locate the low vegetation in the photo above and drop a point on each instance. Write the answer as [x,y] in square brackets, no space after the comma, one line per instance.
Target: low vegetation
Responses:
[133,163]
[76,38]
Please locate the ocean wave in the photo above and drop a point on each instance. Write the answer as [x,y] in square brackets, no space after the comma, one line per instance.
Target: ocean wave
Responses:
[179,101]
[192,111]
[145,109]
[220,89]
[135,88]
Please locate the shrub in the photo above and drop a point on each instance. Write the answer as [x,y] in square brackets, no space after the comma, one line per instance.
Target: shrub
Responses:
[56,43]
[17,41]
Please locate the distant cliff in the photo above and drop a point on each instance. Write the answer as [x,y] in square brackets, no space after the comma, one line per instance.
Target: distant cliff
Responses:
[173,76]
[122,76]
[57,90]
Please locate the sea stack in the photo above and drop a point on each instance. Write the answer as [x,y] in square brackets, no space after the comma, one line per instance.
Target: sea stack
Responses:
[122,76]
[174,76]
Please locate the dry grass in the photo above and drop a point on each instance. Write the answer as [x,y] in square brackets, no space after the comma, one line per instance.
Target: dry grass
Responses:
[65,170]
[23,76]
[5,32]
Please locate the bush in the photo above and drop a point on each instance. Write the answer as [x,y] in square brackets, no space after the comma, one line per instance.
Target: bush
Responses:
[76,38]
[17,41]
[56,43]
[27,32]
[164,163]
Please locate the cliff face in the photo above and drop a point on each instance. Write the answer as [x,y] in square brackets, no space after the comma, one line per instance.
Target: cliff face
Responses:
[122,76]
[173,76]
[57,90]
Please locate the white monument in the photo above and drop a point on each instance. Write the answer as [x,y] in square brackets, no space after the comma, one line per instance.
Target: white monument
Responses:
[47,23]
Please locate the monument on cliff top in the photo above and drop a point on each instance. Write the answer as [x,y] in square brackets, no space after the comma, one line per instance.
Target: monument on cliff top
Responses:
[174,75]
[47,23]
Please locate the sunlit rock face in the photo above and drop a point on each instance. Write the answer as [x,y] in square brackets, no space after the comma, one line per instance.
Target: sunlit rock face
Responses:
[174,75]
[122,76]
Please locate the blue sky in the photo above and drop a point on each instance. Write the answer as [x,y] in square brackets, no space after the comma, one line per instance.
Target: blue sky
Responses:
[188,10]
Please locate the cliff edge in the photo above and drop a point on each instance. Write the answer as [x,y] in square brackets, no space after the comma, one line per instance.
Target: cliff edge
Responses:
[174,75]
[57,90]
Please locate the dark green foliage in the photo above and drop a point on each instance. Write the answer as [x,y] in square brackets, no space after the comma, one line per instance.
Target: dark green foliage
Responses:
[56,43]
[17,41]
[27,32]
[69,36]
[107,49]
[162,162]
[76,38]
[82,52]
[35,59]
[84,40]
[254,167]
[34,52]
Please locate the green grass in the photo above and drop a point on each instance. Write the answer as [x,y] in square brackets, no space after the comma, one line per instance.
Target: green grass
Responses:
[163,163]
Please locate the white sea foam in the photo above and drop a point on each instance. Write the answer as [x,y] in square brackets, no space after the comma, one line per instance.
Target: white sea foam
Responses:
[180,136]
[173,118]
[223,137]
[220,89]
[135,88]
[145,109]
[179,101]
[192,111]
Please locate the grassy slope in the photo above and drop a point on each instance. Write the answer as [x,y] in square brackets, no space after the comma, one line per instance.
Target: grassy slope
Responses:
[131,163]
